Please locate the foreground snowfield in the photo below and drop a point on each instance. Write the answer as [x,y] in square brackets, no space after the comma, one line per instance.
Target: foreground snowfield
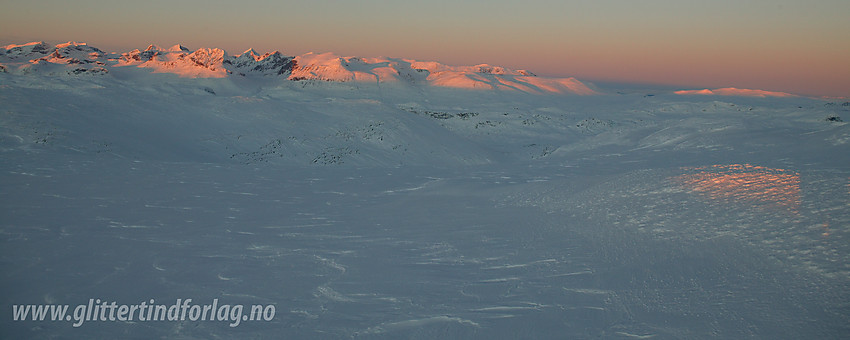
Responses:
[375,211]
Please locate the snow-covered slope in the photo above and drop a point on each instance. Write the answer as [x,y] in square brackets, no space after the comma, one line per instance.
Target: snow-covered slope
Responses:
[384,205]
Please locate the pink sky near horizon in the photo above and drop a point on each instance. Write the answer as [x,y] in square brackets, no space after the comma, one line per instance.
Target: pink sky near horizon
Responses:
[779,45]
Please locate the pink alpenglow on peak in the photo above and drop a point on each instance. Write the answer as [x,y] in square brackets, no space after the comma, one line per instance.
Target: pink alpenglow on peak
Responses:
[178,48]
[70,44]
[202,63]
[250,54]
[31,45]
[731,91]
[38,57]
[331,67]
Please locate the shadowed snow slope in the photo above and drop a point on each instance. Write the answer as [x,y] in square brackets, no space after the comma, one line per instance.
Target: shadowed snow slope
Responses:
[411,200]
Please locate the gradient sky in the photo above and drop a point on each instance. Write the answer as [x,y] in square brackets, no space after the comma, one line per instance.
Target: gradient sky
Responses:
[800,47]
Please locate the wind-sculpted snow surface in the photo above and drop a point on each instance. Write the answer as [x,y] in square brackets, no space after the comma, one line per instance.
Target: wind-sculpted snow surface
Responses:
[381,208]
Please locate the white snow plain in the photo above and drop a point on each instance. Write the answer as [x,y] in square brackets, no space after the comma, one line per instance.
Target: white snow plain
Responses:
[388,211]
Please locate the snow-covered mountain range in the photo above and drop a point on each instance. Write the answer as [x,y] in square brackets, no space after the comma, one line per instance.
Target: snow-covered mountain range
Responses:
[381,198]
[79,58]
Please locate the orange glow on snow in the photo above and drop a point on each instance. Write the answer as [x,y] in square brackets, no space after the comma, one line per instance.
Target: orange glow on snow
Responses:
[745,184]
[11,46]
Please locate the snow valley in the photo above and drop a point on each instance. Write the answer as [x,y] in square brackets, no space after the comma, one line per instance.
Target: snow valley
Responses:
[391,198]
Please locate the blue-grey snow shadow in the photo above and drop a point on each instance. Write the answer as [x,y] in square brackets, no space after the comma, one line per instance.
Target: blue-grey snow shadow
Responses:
[384,253]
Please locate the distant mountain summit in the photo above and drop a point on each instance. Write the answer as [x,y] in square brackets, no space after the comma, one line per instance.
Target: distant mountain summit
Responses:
[36,57]
[76,59]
